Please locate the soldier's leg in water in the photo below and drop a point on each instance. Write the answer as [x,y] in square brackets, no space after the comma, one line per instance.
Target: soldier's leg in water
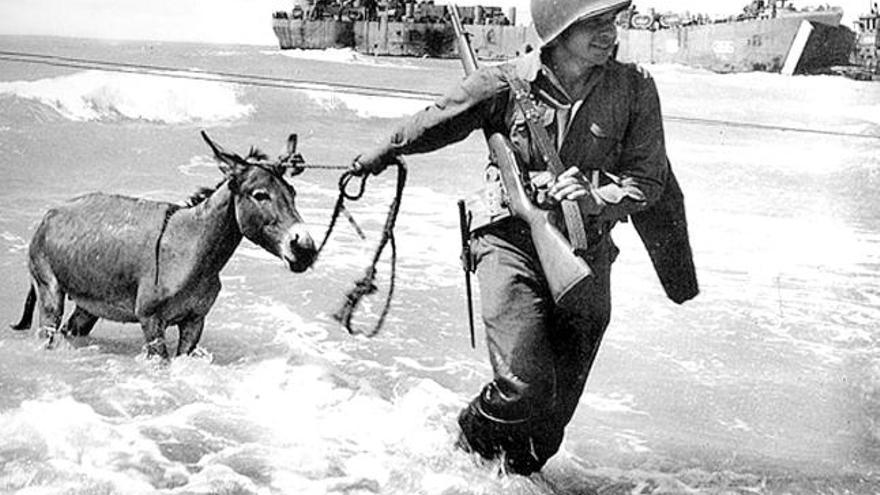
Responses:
[575,340]
[516,307]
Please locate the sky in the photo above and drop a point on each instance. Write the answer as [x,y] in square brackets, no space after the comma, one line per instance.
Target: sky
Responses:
[246,21]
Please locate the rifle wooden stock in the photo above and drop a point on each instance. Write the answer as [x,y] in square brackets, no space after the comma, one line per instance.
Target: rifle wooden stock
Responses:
[566,273]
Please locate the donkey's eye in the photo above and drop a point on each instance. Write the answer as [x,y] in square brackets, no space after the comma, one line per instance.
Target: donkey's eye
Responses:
[261,196]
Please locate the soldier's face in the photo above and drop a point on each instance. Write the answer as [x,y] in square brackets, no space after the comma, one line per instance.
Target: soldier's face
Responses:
[593,39]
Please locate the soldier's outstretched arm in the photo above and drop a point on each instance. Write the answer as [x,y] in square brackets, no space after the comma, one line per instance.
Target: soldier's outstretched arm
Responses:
[471,104]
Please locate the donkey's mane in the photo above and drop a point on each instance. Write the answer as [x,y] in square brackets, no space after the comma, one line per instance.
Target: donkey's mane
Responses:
[201,195]
[256,154]
[253,158]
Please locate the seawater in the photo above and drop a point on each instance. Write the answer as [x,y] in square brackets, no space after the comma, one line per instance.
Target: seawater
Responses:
[768,382]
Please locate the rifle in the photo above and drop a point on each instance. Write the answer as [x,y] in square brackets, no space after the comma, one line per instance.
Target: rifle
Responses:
[566,273]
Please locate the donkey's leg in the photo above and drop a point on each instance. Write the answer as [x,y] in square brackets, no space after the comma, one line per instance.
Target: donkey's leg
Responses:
[80,323]
[190,333]
[51,300]
[154,335]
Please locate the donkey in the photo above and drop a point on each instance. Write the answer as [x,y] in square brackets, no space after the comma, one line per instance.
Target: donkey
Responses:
[155,263]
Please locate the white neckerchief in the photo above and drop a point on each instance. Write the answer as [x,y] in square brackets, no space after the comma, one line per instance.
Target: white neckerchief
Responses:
[564,118]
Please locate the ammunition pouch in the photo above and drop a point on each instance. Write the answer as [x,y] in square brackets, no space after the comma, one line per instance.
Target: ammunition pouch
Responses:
[489,205]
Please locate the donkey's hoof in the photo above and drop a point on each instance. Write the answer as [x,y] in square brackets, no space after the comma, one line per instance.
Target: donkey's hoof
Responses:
[201,354]
[49,336]
[50,343]
[156,349]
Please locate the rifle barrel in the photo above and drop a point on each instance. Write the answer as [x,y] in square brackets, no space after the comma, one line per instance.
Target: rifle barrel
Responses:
[465,50]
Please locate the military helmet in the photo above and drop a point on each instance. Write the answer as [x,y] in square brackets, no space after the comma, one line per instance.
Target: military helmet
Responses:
[552,17]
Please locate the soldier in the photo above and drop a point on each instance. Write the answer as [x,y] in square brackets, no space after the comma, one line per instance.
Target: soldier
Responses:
[604,117]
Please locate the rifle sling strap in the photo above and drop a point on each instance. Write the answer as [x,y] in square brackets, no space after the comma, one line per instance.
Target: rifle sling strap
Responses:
[521,90]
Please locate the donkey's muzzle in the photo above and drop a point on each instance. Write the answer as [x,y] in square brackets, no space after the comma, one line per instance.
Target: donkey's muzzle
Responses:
[299,249]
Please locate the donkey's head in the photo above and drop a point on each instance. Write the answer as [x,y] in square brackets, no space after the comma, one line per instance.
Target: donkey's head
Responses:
[264,207]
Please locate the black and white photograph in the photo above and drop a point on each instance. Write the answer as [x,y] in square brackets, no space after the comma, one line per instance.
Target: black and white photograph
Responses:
[420,247]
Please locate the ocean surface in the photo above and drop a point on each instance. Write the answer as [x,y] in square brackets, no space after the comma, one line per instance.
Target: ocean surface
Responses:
[768,382]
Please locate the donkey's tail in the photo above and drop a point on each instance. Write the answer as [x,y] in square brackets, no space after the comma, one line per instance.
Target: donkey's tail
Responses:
[28,314]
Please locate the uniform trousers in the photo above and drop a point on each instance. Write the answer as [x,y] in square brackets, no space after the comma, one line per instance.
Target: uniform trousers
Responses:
[541,354]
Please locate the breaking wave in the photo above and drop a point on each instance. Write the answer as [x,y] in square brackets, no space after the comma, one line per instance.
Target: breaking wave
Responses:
[99,96]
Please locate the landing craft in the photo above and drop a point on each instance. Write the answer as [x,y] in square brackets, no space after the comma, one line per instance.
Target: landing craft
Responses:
[866,55]
[400,29]
[767,36]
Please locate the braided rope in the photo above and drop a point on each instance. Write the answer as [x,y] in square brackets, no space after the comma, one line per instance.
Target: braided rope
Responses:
[366,285]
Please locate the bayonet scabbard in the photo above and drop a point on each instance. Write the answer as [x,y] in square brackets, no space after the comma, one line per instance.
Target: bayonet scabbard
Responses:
[464,222]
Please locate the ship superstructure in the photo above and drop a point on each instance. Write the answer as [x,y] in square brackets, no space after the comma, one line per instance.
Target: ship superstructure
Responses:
[866,54]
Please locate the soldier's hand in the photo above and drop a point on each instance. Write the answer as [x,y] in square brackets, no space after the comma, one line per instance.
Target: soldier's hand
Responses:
[372,162]
[573,185]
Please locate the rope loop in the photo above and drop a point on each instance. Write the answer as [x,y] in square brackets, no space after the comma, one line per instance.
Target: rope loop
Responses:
[367,284]
[345,179]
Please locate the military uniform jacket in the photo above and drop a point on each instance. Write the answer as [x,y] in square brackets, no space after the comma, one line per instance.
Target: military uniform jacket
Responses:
[615,134]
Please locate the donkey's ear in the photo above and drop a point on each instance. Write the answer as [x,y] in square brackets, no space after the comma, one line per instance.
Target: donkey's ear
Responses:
[291,144]
[228,162]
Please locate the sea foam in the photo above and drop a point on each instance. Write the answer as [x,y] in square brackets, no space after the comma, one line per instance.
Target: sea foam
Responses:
[340,55]
[97,95]
[367,106]
[364,106]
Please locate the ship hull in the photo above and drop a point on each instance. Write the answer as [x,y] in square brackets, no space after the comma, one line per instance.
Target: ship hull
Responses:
[760,44]
[755,45]
[318,34]
[405,39]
